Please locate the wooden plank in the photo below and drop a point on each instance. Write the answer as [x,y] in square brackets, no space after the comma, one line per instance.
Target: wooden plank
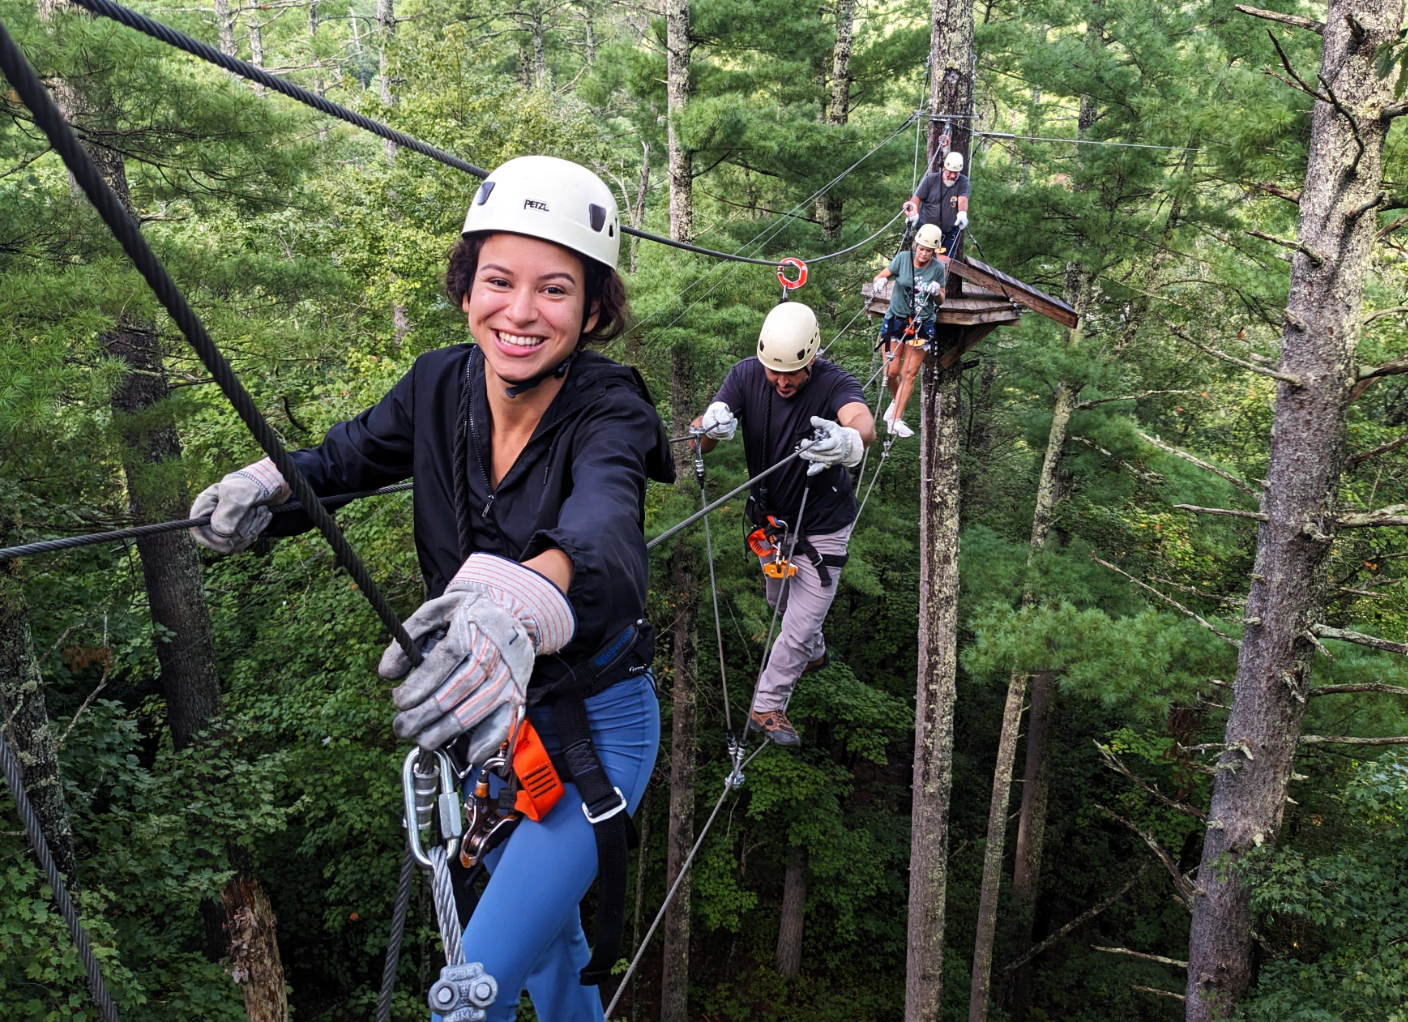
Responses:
[1022,294]
[971,336]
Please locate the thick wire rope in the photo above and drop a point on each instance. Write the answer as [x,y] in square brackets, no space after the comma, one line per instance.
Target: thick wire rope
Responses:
[49,546]
[718,623]
[393,944]
[446,914]
[196,48]
[96,986]
[679,526]
[61,136]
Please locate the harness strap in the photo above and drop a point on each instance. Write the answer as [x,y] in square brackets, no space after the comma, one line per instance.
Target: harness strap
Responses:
[605,808]
[822,562]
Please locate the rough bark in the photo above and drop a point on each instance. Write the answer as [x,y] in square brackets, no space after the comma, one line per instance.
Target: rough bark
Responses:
[225,27]
[794,914]
[677,57]
[937,693]
[254,950]
[170,565]
[1031,834]
[1308,447]
[642,860]
[674,984]
[25,721]
[256,51]
[951,57]
[385,30]
[828,207]
[642,190]
[992,853]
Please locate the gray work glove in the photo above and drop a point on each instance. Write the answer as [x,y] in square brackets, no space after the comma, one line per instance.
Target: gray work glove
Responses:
[912,220]
[238,506]
[837,445]
[877,285]
[719,422]
[933,288]
[961,220]
[498,616]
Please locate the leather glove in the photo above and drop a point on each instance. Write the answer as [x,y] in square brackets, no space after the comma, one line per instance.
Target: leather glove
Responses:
[961,220]
[719,422]
[933,288]
[498,616]
[838,445]
[238,506]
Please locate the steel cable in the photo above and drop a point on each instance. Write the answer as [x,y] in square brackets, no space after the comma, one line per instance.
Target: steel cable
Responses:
[49,546]
[50,120]
[96,986]
[393,944]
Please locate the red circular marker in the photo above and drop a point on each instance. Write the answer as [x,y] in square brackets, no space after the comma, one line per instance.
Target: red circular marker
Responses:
[801,268]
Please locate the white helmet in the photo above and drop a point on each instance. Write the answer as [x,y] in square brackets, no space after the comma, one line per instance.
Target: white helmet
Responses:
[555,200]
[789,338]
[929,236]
[954,162]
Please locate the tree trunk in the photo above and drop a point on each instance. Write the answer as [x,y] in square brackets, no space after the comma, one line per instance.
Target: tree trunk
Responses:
[225,27]
[1031,835]
[992,853]
[937,694]
[674,984]
[794,914]
[540,58]
[642,190]
[828,207]
[1308,446]
[254,951]
[951,56]
[677,57]
[642,861]
[25,721]
[951,90]
[256,51]
[385,29]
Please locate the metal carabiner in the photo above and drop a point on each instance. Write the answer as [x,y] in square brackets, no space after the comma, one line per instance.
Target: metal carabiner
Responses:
[422,803]
[697,437]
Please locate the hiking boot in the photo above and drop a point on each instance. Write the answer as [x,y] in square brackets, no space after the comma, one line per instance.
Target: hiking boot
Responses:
[815,665]
[775,725]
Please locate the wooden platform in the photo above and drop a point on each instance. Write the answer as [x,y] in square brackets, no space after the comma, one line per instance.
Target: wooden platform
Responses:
[976,306]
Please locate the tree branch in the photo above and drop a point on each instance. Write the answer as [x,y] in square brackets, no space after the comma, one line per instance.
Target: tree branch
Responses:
[1345,740]
[1294,20]
[1381,313]
[1117,765]
[1299,82]
[1084,917]
[1391,368]
[1161,993]
[1373,686]
[1149,477]
[1256,516]
[1128,397]
[1343,111]
[1140,954]
[1289,194]
[1373,452]
[1185,888]
[1391,515]
[1180,453]
[1384,232]
[1299,246]
[1372,641]
[1169,600]
[1275,374]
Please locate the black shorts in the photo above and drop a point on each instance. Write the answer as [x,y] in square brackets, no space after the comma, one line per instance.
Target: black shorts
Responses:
[894,327]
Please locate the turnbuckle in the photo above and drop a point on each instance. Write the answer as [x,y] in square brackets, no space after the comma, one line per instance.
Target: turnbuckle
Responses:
[735,777]
[430,797]
[697,437]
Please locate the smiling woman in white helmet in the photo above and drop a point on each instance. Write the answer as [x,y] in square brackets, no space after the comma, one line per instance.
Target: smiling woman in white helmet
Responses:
[530,456]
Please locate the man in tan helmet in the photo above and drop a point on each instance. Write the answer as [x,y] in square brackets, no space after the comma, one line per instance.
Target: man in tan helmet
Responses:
[784,396]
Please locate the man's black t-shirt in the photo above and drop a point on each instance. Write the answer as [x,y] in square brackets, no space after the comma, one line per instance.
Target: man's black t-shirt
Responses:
[938,202]
[831,505]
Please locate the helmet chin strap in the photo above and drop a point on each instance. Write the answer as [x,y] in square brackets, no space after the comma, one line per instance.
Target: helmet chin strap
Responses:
[558,373]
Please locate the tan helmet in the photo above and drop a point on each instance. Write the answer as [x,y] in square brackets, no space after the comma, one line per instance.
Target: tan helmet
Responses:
[789,338]
[954,162]
[930,237]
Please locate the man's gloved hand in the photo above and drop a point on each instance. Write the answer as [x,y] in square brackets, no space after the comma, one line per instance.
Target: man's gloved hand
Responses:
[912,220]
[838,445]
[238,506]
[497,615]
[961,220]
[719,422]
[910,208]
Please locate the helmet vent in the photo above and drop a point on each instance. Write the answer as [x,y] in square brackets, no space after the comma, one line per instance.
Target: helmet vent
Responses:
[598,216]
[484,190]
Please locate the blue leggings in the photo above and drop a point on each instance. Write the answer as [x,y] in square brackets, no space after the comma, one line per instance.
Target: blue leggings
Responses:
[527,928]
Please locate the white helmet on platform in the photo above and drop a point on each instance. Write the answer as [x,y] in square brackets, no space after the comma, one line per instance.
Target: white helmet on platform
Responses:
[954,162]
[789,339]
[555,200]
